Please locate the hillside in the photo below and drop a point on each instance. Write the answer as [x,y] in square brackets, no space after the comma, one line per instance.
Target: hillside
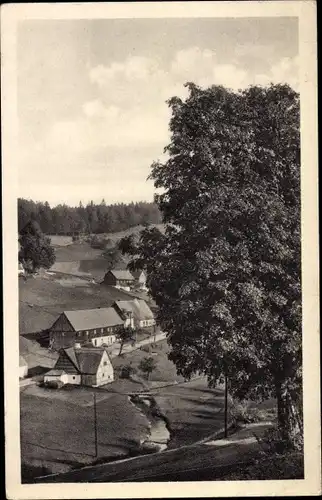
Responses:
[43,298]
[81,259]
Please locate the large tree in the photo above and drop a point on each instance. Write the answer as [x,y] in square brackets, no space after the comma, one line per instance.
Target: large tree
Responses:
[35,248]
[226,273]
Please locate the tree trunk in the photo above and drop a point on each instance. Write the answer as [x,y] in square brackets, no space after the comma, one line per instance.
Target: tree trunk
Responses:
[121,347]
[289,418]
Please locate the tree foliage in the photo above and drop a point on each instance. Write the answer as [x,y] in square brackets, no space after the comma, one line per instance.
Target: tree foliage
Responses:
[35,248]
[124,335]
[92,218]
[226,273]
[147,366]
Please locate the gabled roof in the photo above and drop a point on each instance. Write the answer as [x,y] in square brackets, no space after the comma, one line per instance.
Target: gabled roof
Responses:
[88,319]
[122,274]
[56,373]
[67,361]
[139,308]
[89,359]
[137,274]
[86,359]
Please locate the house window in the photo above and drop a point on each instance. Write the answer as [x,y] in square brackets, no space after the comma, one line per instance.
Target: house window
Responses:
[102,330]
[94,331]
[87,333]
[94,342]
[105,363]
[74,378]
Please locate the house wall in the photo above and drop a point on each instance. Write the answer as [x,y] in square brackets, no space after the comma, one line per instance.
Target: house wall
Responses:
[125,287]
[61,334]
[59,340]
[129,322]
[23,371]
[89,380]
[146,323]
[68,338]
[108,340]
[65,378]
[105,372]
[109,279]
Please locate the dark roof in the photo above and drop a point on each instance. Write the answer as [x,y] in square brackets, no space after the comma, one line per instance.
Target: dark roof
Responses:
[139,308]
[122,274]
[86,360]
[56,373]
[89,359]
[88,319]
[67,361]
[137,274]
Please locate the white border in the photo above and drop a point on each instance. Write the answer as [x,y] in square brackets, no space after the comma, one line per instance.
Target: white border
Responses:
[306,12]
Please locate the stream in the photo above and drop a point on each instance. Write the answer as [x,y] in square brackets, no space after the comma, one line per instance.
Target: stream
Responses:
[159,434]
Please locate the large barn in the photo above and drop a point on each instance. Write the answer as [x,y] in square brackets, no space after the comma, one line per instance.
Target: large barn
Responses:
[97,326]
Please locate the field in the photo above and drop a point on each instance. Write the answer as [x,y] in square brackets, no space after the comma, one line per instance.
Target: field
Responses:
[192,409]
[79,258]
[165,370]
[115,237]
[58,240]
[59,434]
[43,298]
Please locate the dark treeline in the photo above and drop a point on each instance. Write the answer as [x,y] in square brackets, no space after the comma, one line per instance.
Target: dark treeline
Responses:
[92,218]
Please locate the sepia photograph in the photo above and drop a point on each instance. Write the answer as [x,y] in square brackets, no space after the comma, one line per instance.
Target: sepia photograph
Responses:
[160,259]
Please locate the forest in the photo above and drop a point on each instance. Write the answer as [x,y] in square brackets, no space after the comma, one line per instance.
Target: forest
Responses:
[92,218]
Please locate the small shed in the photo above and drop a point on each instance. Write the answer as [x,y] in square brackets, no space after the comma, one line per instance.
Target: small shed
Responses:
[119,278]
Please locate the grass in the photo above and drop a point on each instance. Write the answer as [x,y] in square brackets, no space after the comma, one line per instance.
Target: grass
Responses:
[165,370]
[42,299]
[195,463]
[76,252]
[58,432]
[193,410]
[60,240]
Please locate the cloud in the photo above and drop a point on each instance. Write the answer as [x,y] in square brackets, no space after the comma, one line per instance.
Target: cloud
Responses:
[127,114]
[286,70]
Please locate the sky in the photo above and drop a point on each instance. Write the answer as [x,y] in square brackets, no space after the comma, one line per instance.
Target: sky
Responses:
[92,94]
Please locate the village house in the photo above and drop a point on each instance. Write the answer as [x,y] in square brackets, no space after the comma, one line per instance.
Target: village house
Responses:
[119,278]
[82,366]
[140,279]
[23,367]
[136,313]
[97,326]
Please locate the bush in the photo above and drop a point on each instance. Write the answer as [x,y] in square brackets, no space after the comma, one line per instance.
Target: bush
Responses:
[242,412]
[126,371]
[273,442]
[53,384]
[145,348]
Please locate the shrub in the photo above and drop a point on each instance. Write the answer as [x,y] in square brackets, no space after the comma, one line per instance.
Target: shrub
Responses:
[53,384]
[126,371]
[242,412]
[145,348]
